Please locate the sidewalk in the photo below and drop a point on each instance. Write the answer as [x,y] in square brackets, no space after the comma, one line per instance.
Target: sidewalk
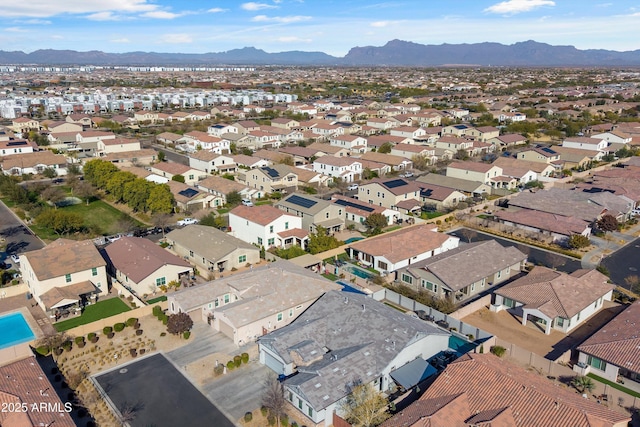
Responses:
[605,247]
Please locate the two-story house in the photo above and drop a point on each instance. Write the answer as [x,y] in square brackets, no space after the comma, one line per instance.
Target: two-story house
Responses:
[269,179]
[267,226]
[314,212]
[346,169]
[211,162]
[390,193]
[353,143]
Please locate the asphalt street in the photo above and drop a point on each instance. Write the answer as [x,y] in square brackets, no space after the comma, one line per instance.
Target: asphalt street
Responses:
[17,237]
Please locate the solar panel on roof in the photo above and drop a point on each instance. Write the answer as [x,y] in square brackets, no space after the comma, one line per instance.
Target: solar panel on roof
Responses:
[548,150]
[395,183]
[460,127]
[271,172]
[188,192]
[353,205]
[301,201]
[16,143]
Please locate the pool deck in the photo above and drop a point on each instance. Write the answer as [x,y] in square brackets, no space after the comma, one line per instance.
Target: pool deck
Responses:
[36,318]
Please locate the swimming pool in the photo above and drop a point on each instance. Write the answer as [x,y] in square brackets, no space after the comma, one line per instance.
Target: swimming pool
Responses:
[363,274]
[353,239]
[460,345]
[15,330]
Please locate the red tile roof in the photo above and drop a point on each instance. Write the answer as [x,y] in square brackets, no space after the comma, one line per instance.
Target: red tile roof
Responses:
[261,214]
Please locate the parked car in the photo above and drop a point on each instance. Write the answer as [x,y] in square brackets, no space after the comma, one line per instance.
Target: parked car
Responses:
[247,202]
[408,174]
[187,221]
[352,187]
[15,259]
[4,266]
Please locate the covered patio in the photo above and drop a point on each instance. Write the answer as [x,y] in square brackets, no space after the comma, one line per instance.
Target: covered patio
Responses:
[69,300]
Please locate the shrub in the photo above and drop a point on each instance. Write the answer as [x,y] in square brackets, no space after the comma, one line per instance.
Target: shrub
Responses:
[92,337]
[133,352]
[138,331]
[263,411]
[218,370]
[248,416]
[237,360]
[162,334]
[186,335]
[43,350]
[284,420]
[132,320]
[245,357]
[230,365]
[157,310]
[271,420]
[165,319]
[498,350]
[107,330]
[79,339]
[118,327]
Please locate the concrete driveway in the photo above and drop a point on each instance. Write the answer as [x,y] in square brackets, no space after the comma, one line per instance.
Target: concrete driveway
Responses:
[208,342]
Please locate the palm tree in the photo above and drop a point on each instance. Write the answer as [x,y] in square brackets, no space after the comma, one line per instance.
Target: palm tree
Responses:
[583,383]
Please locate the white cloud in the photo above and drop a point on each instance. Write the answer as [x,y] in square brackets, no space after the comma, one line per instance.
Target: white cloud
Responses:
[293,39]
[45,8]
[381,24]
[33,22]
[253,6]
[216,10]
[179,38]
[511,7]
[122,40]
[161,14]
[15,30]
[280,19]
[103,16]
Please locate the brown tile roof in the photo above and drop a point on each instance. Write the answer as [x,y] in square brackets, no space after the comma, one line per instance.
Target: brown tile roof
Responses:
[435,192]
[172,168]
[138,258]
[387,159]
[493,385]
[221,185]
[294,232]
[445,411]
[409,187]
[25,382]
[27,160]
[402,244]
[260,214]
[618,341]
[64,257]
[557,294]
[564,225]
[471,166]
[71,292]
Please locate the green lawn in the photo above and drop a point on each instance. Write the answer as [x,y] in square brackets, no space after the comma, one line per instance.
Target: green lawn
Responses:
[330,276]
[155,300]
[99,217]
[97,311]
[614,385]
[430,215]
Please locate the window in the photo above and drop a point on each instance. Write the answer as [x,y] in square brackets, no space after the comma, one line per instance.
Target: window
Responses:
[327,215]
[279,317]
[290,397]
[271,229]
[226,298]
[190,253]
[473,287]
[578,318]
[242,258]
[216,302]
[382,265]
[291,312]
[407,279]
[260,241]
[271,242]
[310,411]
[286,225]
[94,271]
[191,177]
[560,322]
[597,363]
[67,278]
[161,281]
[299,403]
[508,302]
[499,274]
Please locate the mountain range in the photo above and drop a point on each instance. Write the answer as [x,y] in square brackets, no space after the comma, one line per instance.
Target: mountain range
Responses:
[394,53]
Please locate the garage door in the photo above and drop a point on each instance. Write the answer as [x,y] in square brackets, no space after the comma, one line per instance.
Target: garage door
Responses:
[273,363]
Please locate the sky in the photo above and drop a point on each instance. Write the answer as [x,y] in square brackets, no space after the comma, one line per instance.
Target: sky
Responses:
[333,27]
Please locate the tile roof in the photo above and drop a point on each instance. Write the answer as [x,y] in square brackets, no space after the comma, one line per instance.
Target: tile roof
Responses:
[208,242]
[403,244]
[221,185]
[500,393]
[70,293]
[469,263]
[259,214]
[172,168]
[560,202]
[26,160]
[564,225]
[138,258]
[332,343]
[25,382]
[471,166]
[64,257]
[557,294]
[618,341]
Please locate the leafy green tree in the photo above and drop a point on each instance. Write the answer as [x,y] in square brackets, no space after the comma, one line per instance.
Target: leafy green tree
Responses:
[369,174]
[534,184]
[233,198]
[116,184]
[49,173]
[98,172]
[365,406]
[160,199]
[60,222]
[84,190]
[578,241]
[213,220]
[178,178]
[290,252]
[375,223]
[321,241]
[136,194]
[385,148]
[161,156]
[583,383]
[420,162]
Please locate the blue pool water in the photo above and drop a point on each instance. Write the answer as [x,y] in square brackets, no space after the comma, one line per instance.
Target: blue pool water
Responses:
[348,288]
[15,330]
[353,239]
[363,274]
[460,345]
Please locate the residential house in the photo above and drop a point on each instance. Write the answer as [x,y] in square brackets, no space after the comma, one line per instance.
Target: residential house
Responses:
[168,138]
[614,137]
[220,187]
[267,226]
[197,140]
[301,155]
[269,179]
[440,198]
[586,143]
[247,305]
[55,126]
[353,143]
[24,124]
[25,385]
[458,130]
[475,189]
[524,170]
[219,129]
[506,141]
[510,116]
[12,146]
[34,163]
[485,390]
[464,272]
[249,162]
[553,299]
[481,172]
[285,123]
[357,211]
[455,144]
[145,156]
[345,169]
[188,198]
[575,158]
[547,155]
[483,133]
[329,348]
[170,169]
[409,151]
[146,116]
[65,275]
[81,119]
[210,162]
[411,132]
[264,139]
[117,145]
[329,150]
[397,163]
[390,252]
[142,266]
[390,192]
[384,123]
[210,249]
[612,352]
[314,212]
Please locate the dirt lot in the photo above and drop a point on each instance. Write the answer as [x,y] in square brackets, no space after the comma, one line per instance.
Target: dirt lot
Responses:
[532,337]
